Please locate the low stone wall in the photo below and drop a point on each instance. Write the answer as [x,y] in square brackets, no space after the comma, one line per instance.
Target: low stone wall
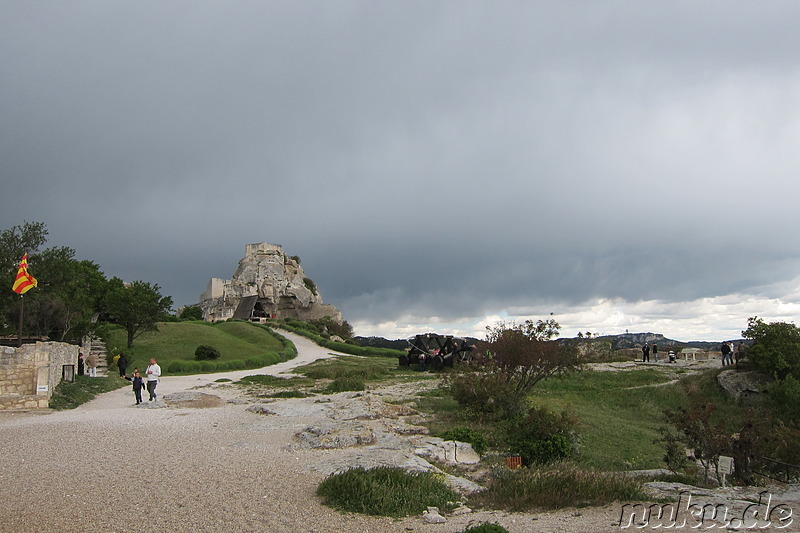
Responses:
[30,373]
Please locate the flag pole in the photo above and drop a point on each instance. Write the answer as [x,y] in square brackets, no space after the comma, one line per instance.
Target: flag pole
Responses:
[19,329]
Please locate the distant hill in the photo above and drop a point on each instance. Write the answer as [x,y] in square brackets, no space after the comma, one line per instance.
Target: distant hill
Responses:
[636,340]
[618,342]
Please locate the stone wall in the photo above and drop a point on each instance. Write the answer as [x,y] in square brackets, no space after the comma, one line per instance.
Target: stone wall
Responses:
[30,373]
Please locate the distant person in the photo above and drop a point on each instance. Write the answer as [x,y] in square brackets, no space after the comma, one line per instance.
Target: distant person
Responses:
[730,352]
[655,352]
[422,362]
[138,385]
[91,365]
[646,353]
[122,364]
[725,349]
[81,364]
[153,373]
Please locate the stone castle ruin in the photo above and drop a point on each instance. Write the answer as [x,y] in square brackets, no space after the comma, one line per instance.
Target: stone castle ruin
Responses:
[267,284]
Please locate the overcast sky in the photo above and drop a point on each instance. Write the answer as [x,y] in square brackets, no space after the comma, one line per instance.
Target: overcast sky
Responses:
[436,165]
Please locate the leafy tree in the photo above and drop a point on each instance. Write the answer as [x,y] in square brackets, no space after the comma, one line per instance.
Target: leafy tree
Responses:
[776,347]
[14,242]
[701,430]
[327,326]
[191,312]
[69,294]
[514,359]
[136,306]
[17,240]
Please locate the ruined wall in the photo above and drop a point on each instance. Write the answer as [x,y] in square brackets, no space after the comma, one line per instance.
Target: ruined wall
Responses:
[30,373]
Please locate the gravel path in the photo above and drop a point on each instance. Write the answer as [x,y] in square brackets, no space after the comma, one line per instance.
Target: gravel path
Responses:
[109,466]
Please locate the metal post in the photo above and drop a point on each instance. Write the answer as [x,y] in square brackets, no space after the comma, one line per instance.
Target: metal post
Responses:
[19,329]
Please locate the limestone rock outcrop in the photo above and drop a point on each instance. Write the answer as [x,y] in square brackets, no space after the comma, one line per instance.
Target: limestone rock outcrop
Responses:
[267,284]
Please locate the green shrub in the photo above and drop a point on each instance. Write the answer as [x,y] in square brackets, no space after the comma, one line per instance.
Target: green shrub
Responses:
[785,396]
[556,487]
[236,364]
[484,394]
[385,491]
[486,527]
[175,367]
[192,312]
[542,437]
[463,434]
[205,352]
[346,383]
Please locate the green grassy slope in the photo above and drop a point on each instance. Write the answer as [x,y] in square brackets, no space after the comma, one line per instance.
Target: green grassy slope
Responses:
[241,345]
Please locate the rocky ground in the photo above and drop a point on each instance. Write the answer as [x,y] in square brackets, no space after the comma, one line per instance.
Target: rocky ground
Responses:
[207,456]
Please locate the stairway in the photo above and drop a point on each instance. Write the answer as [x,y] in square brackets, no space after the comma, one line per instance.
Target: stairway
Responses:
[98,348]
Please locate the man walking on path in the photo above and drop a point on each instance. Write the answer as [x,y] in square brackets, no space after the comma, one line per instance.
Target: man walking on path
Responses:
[646,353]
[153,372]
[655,352]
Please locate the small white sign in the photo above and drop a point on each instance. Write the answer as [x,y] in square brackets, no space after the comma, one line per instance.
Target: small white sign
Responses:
[725,465]
[41,388]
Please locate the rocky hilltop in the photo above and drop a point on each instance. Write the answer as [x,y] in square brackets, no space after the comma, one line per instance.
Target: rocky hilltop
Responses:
[267,284]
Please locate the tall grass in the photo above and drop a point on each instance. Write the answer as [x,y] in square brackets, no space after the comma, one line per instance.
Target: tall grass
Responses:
[555,487]
[385,491]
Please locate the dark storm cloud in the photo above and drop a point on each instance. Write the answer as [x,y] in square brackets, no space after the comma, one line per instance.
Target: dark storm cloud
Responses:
[441,159]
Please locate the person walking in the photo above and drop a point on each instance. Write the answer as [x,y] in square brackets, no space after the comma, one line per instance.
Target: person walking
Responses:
[81,364]
[655,352]
[153,373]
[646,353]
[91,365]
[725,349]
[122,364]
[138,385]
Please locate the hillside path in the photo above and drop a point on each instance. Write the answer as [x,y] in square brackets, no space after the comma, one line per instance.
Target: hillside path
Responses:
[307,352]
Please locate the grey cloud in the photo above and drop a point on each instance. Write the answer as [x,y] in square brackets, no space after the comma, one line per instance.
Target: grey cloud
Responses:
[437,159]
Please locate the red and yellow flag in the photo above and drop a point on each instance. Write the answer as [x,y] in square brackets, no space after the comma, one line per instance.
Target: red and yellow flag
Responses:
[24,281]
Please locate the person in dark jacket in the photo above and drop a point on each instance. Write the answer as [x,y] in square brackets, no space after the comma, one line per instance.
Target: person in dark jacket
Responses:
[122,363]
[81,364]
[138,385]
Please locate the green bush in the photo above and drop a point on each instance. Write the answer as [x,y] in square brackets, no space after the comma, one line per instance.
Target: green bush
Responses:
[192,312]
[561,485]
[785,397]
[542,437]
[346,383]
[462,434]
[485,394]
[486,527]
[236,364]
[385,491]
[205,352]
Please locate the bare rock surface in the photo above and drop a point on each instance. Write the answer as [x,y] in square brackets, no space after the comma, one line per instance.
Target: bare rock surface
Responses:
[743,386]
